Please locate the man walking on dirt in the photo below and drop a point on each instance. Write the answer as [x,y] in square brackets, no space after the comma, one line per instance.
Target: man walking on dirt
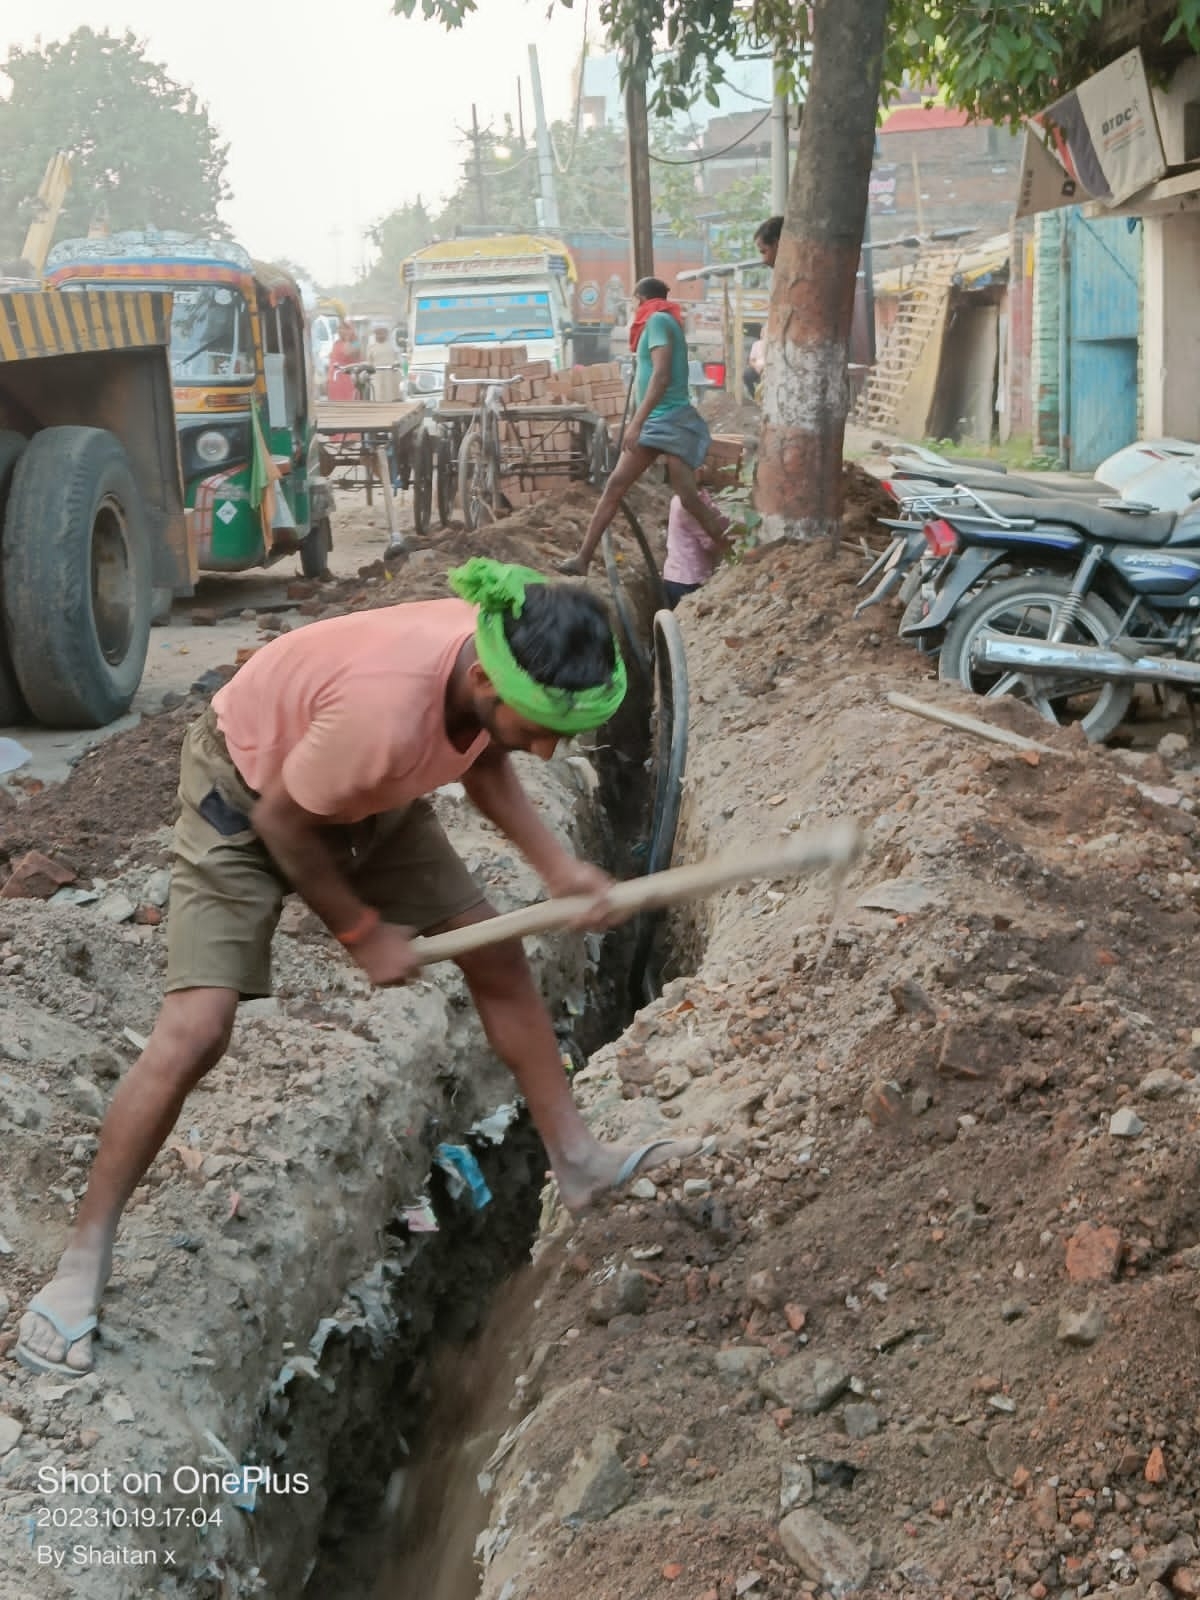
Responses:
[665,423]
[310,772]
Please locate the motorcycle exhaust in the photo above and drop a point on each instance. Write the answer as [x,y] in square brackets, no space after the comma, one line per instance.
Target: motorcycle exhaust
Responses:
[1041,658]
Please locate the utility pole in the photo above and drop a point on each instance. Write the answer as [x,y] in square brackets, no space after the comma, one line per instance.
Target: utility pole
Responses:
[641,213]
[780,162]
[545,159]
[478,164]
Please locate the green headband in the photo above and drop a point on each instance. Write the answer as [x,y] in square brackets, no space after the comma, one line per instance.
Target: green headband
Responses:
[499,591]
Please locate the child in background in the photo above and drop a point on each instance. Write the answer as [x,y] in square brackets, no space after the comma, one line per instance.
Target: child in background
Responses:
[692,555]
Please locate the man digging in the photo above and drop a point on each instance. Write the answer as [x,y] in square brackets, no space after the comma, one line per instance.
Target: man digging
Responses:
[310,772]
[665,424]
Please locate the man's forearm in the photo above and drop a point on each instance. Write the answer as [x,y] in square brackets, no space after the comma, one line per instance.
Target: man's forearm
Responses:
[495,790]
[306,862]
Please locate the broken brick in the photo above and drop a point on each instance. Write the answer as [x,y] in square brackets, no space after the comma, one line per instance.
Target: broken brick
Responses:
[1093,1254]
[36,877]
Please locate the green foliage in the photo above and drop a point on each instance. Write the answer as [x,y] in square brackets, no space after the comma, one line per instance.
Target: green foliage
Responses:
[1001,59]
[143,152]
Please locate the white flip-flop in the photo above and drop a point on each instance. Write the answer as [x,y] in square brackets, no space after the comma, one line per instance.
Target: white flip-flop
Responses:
[38,1363]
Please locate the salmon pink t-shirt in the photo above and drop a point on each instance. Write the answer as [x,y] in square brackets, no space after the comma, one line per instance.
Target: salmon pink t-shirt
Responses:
[352,711]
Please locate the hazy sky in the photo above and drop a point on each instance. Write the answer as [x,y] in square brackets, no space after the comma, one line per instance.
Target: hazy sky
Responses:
[335,111]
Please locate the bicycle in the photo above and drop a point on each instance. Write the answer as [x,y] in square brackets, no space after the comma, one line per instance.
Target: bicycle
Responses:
[479,462]
[363,373]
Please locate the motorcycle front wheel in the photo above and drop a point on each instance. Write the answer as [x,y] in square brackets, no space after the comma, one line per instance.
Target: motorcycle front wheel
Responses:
[1030,608]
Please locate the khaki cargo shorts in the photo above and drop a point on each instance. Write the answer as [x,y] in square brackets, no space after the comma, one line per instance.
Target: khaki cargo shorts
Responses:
[227,893]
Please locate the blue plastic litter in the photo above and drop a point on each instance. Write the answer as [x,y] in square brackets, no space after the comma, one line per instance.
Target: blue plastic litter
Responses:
[463,1175]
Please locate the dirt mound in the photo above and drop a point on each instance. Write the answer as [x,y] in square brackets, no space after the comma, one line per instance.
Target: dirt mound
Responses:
[864,501]
[927,1322]
[119,793]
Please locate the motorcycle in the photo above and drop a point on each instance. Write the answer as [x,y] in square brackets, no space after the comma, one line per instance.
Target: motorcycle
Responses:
[1150,475]
[1103,600]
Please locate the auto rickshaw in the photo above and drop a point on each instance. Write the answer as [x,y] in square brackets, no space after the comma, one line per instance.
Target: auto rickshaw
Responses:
[244,395]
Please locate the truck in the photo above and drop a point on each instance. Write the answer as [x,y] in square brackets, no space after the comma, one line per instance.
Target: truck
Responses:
[93,534]
[505,289]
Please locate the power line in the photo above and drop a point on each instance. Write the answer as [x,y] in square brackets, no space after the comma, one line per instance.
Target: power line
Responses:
[710,155]
[564,168]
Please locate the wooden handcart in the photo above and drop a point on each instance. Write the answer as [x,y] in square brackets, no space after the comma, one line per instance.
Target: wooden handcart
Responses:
[365,444]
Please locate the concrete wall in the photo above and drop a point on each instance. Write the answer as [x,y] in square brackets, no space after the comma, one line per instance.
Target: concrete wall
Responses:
[1171,318]
[968,179]
[1047,246]
[1017,416]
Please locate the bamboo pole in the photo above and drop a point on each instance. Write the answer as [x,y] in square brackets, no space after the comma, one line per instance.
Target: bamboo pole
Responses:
[966,724]
[835,846]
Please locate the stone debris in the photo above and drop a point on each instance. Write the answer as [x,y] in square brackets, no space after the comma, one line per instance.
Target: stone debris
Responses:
[116,907]
[824,1553]
[1081,1328]
[1126,1124]
[807,1384]
[597,1483]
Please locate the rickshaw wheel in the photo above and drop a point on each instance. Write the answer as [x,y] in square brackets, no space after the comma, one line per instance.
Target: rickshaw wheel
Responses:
[445,481]
[422,484]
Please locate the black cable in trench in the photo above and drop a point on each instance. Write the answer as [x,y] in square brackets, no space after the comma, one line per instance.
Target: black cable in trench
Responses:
[670,761]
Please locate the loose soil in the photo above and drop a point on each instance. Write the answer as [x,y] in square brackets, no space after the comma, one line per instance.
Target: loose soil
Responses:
[936,1287]
[925,1289]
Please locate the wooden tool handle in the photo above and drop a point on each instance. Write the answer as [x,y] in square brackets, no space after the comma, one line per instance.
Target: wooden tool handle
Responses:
[835,846]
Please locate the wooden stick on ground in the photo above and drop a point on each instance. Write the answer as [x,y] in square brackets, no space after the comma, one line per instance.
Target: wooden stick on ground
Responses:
[835,846]
[965,724]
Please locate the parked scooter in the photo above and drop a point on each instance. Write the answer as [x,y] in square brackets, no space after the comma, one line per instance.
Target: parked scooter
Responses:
[1095,600]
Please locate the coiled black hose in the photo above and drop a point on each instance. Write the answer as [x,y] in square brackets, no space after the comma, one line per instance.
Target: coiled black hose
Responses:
[626,617]
[670,761]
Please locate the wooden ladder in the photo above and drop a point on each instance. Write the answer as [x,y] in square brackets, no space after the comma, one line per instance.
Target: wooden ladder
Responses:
[919,313]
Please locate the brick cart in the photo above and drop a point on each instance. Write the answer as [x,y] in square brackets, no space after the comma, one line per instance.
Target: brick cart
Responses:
[515,429]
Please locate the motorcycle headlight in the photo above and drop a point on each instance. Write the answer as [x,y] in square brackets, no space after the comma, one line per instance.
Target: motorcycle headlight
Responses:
[212,448]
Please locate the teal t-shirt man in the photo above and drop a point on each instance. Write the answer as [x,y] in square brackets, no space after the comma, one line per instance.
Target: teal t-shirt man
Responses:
[662,329]
[665,424]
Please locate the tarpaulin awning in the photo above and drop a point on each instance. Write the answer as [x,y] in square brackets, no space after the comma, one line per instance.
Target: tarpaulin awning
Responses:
[1100,142]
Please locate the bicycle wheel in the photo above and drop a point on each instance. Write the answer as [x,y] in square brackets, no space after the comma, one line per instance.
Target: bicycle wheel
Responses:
[478,475]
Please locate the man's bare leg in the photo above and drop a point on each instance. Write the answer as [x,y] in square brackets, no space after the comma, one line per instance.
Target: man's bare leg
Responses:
[189,1038]
[625,474]
[684,484]
[519,1029]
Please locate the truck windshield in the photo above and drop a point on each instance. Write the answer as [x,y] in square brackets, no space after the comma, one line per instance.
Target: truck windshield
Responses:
[483,318]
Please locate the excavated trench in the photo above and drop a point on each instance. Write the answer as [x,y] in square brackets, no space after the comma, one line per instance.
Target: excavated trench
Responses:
[411,1390]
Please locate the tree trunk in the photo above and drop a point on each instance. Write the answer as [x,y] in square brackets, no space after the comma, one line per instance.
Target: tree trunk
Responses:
[806,390]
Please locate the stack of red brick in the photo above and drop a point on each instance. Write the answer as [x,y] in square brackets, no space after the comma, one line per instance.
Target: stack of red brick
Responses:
[600,388]
[532,383]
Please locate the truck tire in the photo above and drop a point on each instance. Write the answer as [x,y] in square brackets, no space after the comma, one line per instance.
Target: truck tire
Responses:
[78,578]
[12,701]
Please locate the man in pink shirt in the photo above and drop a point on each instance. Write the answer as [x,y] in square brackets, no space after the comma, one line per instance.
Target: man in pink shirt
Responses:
[309,773]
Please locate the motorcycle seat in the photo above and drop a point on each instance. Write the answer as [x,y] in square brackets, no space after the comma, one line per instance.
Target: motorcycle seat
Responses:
[984,481]
[1117,527]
